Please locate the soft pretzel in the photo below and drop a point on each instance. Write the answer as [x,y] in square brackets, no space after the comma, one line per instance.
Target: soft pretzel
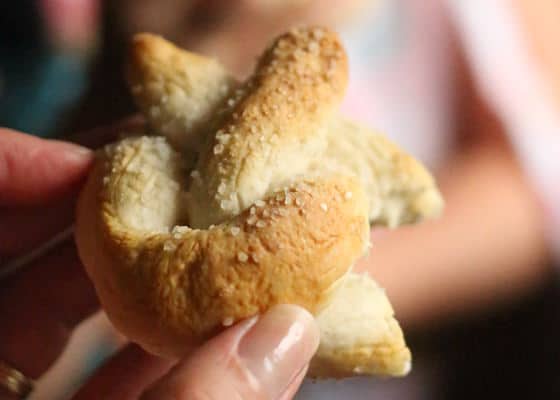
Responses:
[242,196]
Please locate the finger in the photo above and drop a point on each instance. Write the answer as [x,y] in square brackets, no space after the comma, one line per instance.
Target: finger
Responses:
[124,376]
[40,306]
[256,359]
[294,386]
[23,228]
[34,170]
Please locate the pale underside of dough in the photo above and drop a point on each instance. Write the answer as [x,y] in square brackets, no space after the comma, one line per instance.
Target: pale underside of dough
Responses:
[359,333]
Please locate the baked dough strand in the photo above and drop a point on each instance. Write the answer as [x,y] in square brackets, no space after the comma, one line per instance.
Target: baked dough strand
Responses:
[240,196]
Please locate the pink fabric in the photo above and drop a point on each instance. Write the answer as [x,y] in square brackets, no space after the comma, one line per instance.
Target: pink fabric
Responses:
[399,75]
[405,93]
[500,56]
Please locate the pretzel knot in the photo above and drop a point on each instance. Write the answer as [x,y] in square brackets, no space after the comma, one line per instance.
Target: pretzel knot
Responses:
[238,197]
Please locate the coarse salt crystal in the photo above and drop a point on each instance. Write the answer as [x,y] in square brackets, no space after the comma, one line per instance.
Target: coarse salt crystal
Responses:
[318,33]
[169,246]
[313,47]
[222,188]
[224,138]
[219,148]
[180,229]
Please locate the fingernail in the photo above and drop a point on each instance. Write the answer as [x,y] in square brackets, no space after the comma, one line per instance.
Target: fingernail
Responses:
[75,153]
[278,347]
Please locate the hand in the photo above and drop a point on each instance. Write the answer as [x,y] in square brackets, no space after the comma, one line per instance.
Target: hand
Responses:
[260,358]
[264,357]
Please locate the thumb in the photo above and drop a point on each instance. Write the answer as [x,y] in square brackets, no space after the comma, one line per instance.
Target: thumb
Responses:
[33,170]
[262,358]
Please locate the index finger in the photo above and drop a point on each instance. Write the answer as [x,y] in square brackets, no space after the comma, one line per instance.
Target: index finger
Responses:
[34,170]
[41,210]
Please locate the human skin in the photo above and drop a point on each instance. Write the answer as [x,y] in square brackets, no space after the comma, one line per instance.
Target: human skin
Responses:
[263,357]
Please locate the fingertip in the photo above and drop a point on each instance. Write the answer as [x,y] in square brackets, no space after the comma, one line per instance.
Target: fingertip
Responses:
[73,153]
[300,314]
[34,170]
[265,356]
[278,347]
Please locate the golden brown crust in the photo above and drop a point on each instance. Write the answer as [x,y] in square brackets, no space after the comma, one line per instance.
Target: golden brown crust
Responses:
[290,247]
[399,188]
[177,91]
[279,114]
[289,184]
